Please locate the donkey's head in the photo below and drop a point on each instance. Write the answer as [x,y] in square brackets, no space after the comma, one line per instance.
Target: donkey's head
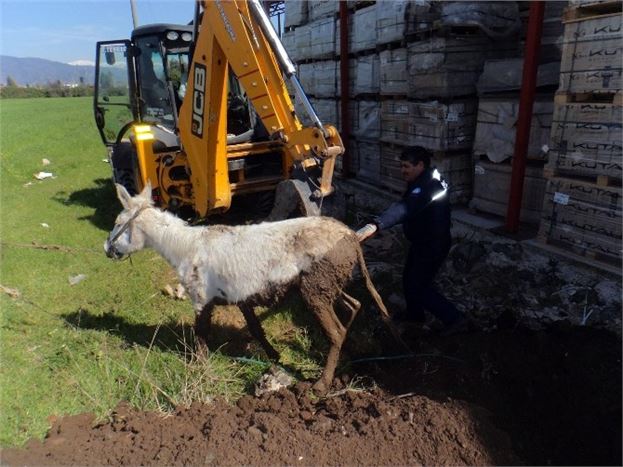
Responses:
[125,238]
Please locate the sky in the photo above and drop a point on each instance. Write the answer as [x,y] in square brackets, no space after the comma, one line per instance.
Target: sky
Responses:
[66,31]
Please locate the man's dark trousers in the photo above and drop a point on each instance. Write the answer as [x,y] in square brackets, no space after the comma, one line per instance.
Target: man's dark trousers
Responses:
[420,294]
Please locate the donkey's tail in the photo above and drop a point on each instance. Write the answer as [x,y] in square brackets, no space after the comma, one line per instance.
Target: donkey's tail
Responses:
[379,301]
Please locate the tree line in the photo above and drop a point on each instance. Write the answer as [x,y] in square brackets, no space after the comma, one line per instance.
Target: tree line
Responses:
[55,89]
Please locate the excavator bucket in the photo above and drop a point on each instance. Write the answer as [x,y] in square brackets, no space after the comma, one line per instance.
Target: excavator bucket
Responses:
[291,195]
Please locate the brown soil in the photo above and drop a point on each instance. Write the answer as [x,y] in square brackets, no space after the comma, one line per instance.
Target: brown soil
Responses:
[281,428]
[508,397]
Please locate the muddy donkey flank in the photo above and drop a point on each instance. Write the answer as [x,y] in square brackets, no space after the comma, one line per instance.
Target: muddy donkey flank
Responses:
[252,265]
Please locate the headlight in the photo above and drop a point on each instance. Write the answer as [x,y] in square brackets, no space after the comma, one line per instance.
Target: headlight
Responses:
[172,35]
[187,37]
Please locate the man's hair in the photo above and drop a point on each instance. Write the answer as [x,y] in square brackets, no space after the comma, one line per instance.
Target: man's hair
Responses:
[415,154]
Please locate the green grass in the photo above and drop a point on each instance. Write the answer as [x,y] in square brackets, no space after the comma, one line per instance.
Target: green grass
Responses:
[114,336]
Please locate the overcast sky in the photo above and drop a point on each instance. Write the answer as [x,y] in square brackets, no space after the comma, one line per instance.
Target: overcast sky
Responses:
[66,31]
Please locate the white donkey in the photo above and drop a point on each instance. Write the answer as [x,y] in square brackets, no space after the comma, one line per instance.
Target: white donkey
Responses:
[252,265]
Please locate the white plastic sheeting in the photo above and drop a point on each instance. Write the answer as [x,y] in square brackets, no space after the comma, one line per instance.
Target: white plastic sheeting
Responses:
[496,127]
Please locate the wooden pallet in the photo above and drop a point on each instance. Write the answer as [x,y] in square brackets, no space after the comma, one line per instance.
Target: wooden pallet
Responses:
[601,97]
[574,249]
[363,53]
[535,160]
[365,96]
[393,97]
[582,217]
[592,10]
[599,180]
[610,264]
[585,192]
[360,4]
[435,155]
[437,29]
[393,45]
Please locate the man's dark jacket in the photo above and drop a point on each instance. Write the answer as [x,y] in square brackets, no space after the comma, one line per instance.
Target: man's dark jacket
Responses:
[424,212]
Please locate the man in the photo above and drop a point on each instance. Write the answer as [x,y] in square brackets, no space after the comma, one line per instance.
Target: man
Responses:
[424,212]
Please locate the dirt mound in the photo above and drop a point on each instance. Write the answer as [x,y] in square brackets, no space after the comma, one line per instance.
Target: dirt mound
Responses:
[537,381]
[286,427]
[507,397]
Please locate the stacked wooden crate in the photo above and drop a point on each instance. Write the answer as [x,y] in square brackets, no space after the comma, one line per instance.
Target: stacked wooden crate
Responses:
[311,38]
[582,207]
[364,88]
[498,108]
[428,86]
[413,72]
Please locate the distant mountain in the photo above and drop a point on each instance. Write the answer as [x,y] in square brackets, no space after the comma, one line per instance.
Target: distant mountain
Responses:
[33,71]
[83,62]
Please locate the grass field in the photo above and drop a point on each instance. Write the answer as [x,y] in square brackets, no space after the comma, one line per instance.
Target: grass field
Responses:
[112,336]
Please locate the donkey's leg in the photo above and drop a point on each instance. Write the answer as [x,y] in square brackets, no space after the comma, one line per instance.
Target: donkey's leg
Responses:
[321,286]
[203,319]
[352,305]
[322,307]
[256,330]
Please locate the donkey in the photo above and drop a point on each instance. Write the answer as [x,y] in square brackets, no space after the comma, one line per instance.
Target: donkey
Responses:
[252,265]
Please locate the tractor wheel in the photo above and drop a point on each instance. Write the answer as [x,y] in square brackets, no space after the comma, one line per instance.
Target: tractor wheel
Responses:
[125,167]
[293,199]
[264,202]
[252,207]
[126,178]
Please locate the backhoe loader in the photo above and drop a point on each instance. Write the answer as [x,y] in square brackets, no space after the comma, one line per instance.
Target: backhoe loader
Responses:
[203,113]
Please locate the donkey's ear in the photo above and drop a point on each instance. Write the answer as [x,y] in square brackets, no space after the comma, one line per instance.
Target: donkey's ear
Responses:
[146,193]
[123,195]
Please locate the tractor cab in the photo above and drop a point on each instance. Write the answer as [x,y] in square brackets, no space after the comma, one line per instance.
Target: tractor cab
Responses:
[142,80]
[154,129]
[162,62]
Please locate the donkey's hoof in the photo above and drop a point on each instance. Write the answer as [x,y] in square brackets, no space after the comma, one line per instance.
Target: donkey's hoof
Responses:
[320,388]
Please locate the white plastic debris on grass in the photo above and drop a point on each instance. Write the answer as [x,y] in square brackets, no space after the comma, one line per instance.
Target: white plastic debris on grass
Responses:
[10,291]
[45,161]
[273,380]
[44,225]
[43,175]
[73,280]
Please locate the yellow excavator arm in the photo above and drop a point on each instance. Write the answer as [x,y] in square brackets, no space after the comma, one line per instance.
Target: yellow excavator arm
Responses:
[237,35]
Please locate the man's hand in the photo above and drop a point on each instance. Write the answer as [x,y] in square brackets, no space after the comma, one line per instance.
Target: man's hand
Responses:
[366,232]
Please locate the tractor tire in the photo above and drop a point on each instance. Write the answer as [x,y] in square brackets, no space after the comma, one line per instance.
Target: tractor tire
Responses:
[125,166]
[293,199]
[264,202]
[253,207]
